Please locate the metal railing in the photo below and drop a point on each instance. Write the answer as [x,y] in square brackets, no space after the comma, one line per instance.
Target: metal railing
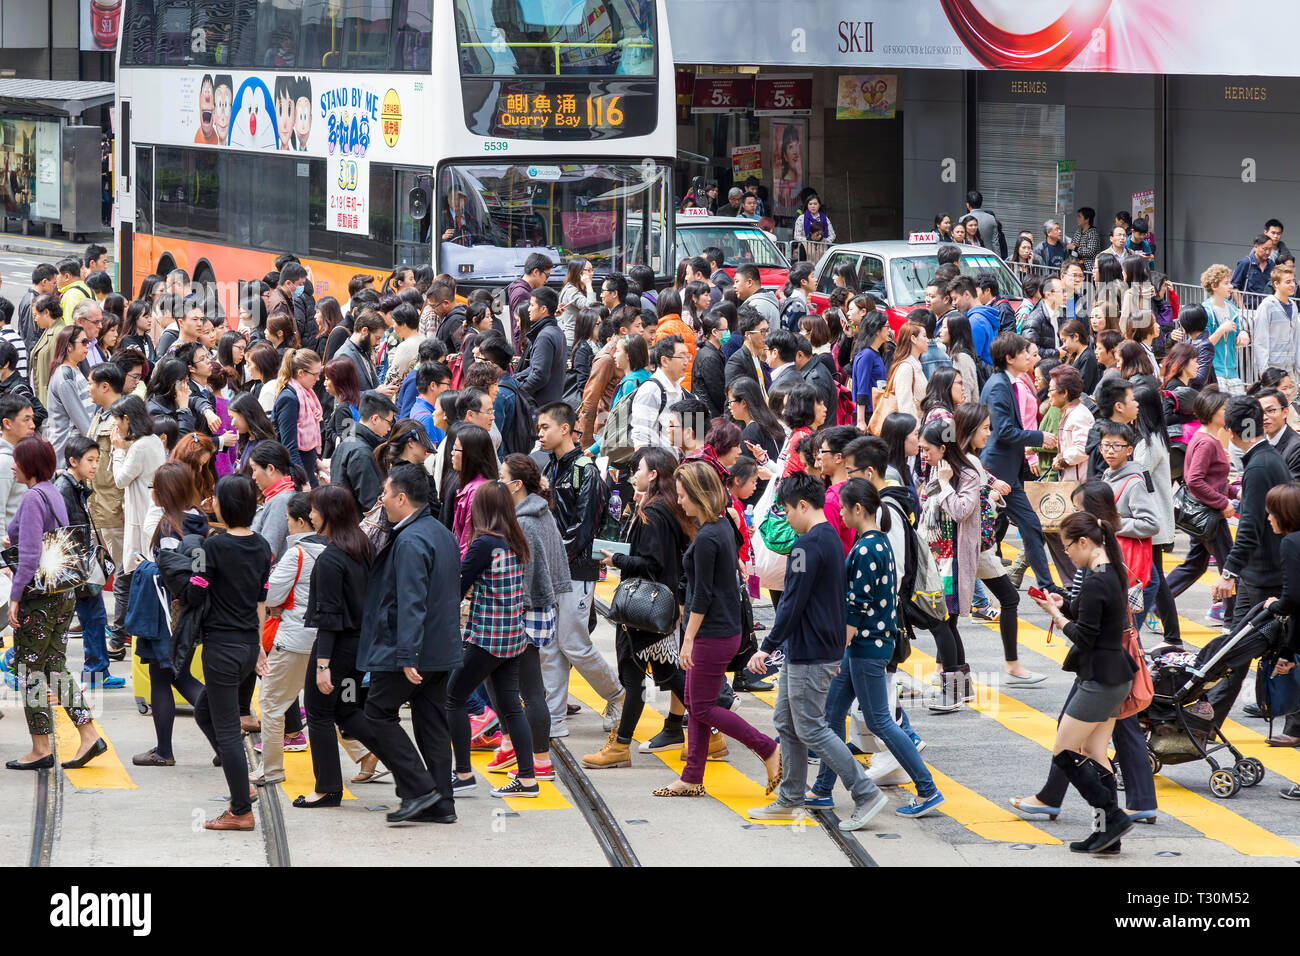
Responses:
[803,250]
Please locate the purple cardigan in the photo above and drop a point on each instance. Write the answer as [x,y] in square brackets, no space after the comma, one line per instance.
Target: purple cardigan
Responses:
[41,510]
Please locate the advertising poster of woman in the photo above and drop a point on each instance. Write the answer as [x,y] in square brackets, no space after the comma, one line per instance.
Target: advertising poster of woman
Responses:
[788,137]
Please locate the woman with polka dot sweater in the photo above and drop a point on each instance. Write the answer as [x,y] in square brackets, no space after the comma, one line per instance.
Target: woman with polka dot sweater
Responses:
[872,618]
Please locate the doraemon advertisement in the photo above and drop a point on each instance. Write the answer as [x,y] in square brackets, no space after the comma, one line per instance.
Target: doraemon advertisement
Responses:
[319,115]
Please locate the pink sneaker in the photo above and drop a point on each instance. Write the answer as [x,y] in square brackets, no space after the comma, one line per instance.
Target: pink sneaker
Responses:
[295,743]
[502,761]
[486,741]
[478,725]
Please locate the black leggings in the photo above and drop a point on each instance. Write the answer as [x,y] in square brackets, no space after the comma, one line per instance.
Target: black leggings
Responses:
[502,675]
[631,674]
[533,691]
[947,640]
[343,707]
[292,716]
[1008,619]
[163,704]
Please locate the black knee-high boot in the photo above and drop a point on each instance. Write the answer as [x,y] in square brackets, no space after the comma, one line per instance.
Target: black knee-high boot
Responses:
[1090,779]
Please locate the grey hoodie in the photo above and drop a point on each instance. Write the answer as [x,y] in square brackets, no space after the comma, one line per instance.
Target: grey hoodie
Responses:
[1139,516]
[292,635]
[547,572]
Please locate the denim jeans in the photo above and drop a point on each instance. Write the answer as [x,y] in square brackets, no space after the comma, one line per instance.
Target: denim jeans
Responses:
[867,679]
[800,722]
[94,619]
[981,599]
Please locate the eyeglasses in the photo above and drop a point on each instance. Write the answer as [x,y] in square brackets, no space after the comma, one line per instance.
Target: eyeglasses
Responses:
[1112,446]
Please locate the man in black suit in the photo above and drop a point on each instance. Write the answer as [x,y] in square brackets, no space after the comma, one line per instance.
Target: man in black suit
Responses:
[410,644]
[1279,434]
[748,359]
[1004,455]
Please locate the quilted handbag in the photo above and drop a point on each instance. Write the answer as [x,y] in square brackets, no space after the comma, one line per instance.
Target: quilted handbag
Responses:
[644,605]
[1194,517]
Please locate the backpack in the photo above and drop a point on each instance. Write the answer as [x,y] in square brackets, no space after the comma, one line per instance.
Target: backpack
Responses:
[457,369]
[792,310]
[921,585]
[617,442]
[983,372]
[1002,235]
[521,432]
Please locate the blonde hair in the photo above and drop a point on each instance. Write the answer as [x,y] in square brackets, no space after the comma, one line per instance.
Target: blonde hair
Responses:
[702,485]
[1213,275]
[294,361]
[1285,269]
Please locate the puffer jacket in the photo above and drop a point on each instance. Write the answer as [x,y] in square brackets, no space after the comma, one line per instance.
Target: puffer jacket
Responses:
[546,574]
[293,635]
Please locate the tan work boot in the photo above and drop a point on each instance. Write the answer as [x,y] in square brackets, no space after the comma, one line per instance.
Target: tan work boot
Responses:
[717,747]
[612,754]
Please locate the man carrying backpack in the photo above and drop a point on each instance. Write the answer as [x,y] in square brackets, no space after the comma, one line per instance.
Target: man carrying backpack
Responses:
[581,499]
[990,229]
[513,410]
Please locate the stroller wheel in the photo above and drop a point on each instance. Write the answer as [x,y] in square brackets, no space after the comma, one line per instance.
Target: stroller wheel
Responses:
[1249,770]
[1156,765]
[1224,784]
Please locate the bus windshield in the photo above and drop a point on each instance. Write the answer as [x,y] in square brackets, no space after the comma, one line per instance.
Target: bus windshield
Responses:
[489,218]
[555,37]
[740,246]
[911,274]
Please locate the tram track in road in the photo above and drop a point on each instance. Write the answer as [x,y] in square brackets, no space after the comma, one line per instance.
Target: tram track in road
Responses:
[845,842]
[604,826]
[271,815]
[47,814]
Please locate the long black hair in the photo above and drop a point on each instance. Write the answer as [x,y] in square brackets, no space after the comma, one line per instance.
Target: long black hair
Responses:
[1082,524]
[959,337]
[938,391]
[940,434]
[1151,415]
[271,454]
[747,390]
[859,491]
[477,456]
[894,430]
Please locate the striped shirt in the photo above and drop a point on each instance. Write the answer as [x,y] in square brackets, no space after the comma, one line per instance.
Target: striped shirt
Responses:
[10,334]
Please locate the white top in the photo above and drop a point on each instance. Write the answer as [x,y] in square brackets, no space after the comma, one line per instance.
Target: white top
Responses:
[133,469]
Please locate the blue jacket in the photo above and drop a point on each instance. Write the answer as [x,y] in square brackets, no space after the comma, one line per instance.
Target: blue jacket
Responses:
[1004,455]
[984,324]
[406,394]
[407,620]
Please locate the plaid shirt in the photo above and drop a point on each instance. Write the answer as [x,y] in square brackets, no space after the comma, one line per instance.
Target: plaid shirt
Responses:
[496,621]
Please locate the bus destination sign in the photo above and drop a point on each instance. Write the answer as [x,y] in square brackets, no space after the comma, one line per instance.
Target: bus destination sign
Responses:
[560,109]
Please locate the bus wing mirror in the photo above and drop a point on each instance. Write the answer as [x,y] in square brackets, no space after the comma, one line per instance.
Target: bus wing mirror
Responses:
[417,202]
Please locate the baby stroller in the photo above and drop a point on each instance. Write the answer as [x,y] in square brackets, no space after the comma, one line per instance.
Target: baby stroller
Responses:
[1182,726]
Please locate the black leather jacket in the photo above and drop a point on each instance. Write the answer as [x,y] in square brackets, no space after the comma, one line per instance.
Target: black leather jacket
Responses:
[577,509]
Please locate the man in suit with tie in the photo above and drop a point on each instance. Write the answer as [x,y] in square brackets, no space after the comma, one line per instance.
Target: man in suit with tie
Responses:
[748,359]
[1004,455]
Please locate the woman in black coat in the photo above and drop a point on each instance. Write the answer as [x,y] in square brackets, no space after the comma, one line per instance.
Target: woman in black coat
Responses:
[657,537]
[709,371]
[338,587]
[1094,623]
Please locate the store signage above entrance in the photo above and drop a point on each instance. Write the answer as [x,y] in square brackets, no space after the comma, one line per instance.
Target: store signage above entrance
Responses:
[1045,36]
[789,95]
[722,94]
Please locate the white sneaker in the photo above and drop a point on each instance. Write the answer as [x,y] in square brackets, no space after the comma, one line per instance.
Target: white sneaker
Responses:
[776,810]
[886,771]
[613,711]
[864,812]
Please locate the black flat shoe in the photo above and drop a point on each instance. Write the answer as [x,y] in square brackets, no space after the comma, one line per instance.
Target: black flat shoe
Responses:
[97,748]
[326,800]
[42,763]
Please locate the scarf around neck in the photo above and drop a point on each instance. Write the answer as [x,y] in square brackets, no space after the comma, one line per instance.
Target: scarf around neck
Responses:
[309,413]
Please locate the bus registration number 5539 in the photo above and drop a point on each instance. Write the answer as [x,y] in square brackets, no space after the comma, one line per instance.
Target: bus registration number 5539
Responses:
[496,146]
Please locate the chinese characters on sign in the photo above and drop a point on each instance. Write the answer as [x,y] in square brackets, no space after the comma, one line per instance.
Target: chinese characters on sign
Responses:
[559,111]
[347,201]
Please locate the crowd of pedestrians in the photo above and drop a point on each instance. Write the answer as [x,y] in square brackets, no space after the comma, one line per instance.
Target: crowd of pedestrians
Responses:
[288,496]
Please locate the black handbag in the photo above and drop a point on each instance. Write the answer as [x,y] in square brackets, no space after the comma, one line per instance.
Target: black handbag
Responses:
[1194,517]
[644,605]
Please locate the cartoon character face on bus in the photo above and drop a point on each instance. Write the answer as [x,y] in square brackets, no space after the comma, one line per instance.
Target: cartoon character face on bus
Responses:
[302,113]
[206,134]
[221,117]
[253,126]
[284,97]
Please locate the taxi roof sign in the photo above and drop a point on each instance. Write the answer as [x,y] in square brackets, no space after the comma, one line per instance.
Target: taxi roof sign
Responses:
[918,238]
[694,211]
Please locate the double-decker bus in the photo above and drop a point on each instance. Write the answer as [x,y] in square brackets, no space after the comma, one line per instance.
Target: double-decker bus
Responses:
[364,134]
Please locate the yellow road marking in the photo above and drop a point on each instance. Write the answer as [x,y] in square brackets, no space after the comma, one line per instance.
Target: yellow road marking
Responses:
[722,781]
[104,772]
[976,813]
[1201,813]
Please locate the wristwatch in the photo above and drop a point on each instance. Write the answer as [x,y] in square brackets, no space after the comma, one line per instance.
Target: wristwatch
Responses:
[1231,576]
[322,667]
